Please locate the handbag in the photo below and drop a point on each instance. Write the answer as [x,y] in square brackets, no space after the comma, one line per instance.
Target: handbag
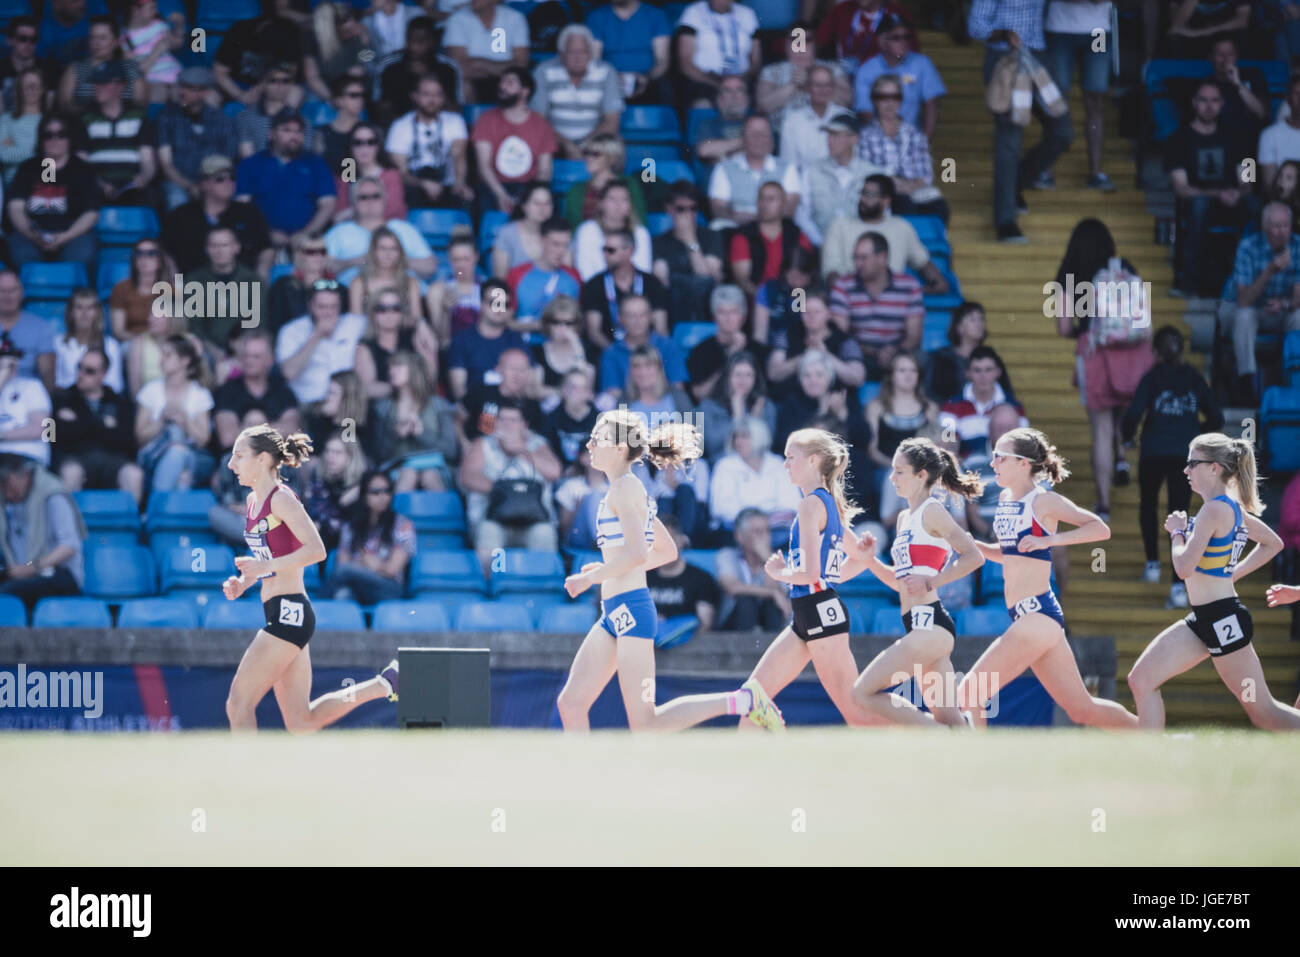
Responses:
[517,502]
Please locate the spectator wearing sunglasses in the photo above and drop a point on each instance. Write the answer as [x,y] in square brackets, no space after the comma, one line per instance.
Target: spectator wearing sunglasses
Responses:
[921,85]
[366,149]
[189,131]
[375,546]
[688,258]
[22,56]
[601,293]
[333,140]
[53,220]
[96,431]
[288,297]
[185,230]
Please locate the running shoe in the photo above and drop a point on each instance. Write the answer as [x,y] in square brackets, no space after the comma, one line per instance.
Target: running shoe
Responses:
[1151,572]
[389,677]
[1177,596]
[763,712]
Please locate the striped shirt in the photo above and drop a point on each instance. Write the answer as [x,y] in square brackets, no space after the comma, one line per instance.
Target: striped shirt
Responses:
[576,111]
[907,154]
[1253,255]
[113,146]
[877,322]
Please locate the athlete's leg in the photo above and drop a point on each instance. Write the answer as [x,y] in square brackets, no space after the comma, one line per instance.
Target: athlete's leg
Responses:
[833,659]
[301,714]
[897,663]
[1174,650]
[1058,672]
[1003,661]
[264,661]
[636,679]
[592,667]
[939,686]
[783,661]
[1244,676]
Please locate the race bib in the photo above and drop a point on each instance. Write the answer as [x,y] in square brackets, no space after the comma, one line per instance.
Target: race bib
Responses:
[622,619]
[834,565]
[1228,630]
[1027,605]
[922,618]
[902,553]
[831,612]
[291,613]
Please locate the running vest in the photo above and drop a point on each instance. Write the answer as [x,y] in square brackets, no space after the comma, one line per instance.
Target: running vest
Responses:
[1015,519]
[1222,553]
[267,536]
[832,555]
[916,552]
[609,530]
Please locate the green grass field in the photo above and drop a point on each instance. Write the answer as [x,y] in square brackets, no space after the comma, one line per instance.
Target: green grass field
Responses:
[816,796]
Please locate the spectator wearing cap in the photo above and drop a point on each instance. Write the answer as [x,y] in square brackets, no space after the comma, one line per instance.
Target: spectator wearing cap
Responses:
[918,79]
[280,94]
[251,54]
[874,215]
[118,141]
[803,136]
[313,347]
[633,37]
[294,189]
[828,180]
[851,33]
[229,286]
[734,183]
[880,308]
[472,37]
[902,151]
[429,145]
[716,38]
[42,534]
[784,86]
[513,144]
[76,89]
[577,93]
[189,131]
[24,406]
[185,229]
[52,218]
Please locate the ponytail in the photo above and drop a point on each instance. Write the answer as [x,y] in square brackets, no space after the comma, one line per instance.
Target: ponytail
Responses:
[292,451]
[940,467]
[1042,455]
[672,445]
[1236,459]
[834,455]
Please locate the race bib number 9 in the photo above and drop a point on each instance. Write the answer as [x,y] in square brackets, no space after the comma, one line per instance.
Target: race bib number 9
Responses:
[831,612]
[922,618]
[1228,630]
[291,613]
[622,619]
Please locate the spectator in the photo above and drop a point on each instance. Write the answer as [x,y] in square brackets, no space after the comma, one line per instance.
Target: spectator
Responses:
[452,303]
[333,140]
[883,310]
[1244,89]
[52,214]
[392,328]
[429,146]
[520,240]
[812,331]
[1107,376]
[750,475]
[473,37]
[511,381]
[717,137]
[785,86]
[568,426]
[375,546]
[578,499]
[819,396]
[945,374]
[421,58]
[1262,293]
[920,83]
[384,264]
[231,286]
[536,283]
[333,489]
[83,322]
[313,347]
[1005,26]
[615,362]
[601,293]
[1170,402]
[1073,28]
[968,417]
[345,408]
[24,407]
[825,182]
[95,423]
[76,88]
[386,25]
[777,298]
[751,601]
[64,34]
[577,93]
[1281,141]
[31,335]
[875,215]
[1286,189]
[761,250]
[604,156]
[144,355]
[293,189]
[185,230]
[515,147]
[614,213]
[1195,24]
[678,493]
[715,39]
[898,412]
[709,357]
[288,297]
[334,48]
[902,152]
[852,30]
[476,350]
[259,385]
[563,350]
[687,258]
[188,132]
[130,304]
[737,393]
[151,39]
[633,38]
[172,424]
[648,392]
[682,591]
[417,421]
[507,479]
[21,56]
[42,535]
[254,51]
[279,94]
[367,151]
[734,183]
[18,123]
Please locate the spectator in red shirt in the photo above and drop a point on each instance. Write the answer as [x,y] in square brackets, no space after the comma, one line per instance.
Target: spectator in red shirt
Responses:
[884,311]
[514,145]
[761,250]
[849,33]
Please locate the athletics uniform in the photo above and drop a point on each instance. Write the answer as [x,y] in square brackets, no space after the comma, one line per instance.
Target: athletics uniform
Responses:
[918,554]
[817,611]
[1225,625]
[1014,520]
[631,613]
[287,616]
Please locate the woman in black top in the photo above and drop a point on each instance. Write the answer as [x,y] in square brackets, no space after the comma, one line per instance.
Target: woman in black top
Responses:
[287,299]
[563,349]
[945,373]
[392,329]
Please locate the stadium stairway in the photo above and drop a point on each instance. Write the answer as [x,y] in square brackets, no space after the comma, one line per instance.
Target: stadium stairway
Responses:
[1009,280]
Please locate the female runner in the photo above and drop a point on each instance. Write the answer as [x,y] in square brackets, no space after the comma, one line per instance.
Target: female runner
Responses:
[1207,555]
[1025,524]
[284,541]
[632,541]
[927,537]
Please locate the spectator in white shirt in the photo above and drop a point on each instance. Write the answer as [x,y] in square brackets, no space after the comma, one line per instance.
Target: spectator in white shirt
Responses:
[751,476]
[716,38]
[484,37]
[24,407]
[429,146]
[733,187]
[803,140]
[313,347]
[614,212]
[1281,141]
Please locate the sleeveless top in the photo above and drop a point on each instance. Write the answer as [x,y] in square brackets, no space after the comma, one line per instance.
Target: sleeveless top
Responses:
[142,40]
[1015,519]
[832,556]
[916,552]
[267,536]
[609,530]
[1222,553]
[894,428]
[405,343]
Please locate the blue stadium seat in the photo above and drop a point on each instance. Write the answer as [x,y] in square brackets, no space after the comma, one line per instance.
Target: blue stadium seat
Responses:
[217,16]
[1291,359]
[201,566]
[436,225]
[862,611]
[535,604]
[694,119]
[52,281]
[887,622]
[867,392]
[431,511]
[492,222]
[565,173]
[705,558]
[233,108]
[991,585]
[71,613]
[51,310]
[108,275]
[118,539]
[334,615]
[949,300]
[527,571]
[932,233]
[318,112]
[407,616]
[447,571]
[986,620]
[670,171]
[658,223]
[661,153]
[126,225]
[13,613]
[567,619]
[279,270]
[493,616]
[472,112]
[674,11]
[234,615]
[774,14]
[179,511]
[866,585]
[108,510]
[160,543]
[688,335]
[676,631]
[439,541]
[158,613]
[1279,417]
[114,573]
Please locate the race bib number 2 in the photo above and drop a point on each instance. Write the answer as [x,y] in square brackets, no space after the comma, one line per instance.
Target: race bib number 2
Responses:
[1228,630]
